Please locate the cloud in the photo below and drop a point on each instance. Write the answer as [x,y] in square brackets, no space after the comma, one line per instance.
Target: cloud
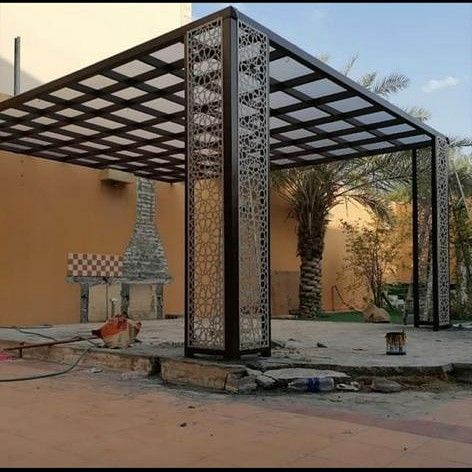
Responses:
[436,84]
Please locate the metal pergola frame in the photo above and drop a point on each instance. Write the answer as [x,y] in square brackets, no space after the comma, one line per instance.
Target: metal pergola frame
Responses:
[216,103]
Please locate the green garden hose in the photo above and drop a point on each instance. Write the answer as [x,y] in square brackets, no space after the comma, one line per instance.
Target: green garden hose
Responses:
[51,374]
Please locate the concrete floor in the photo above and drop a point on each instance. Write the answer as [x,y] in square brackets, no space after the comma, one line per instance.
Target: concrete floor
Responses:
[87,419]
[348,344]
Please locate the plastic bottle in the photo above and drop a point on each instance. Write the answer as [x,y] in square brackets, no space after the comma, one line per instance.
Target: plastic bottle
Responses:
[312,384]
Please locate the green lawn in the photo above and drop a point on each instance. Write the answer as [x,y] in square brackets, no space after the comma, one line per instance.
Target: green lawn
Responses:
[356,317]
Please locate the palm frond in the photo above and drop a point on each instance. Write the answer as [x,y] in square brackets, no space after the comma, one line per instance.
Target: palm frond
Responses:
[324,57]
[419,113]
[457,141]
[350,64]
[374,202]
[392,83]
[367,80]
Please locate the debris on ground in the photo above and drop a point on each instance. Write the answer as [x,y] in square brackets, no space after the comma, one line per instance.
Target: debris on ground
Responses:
[265,382]
[132,375]
[321,345]
[349,387]
[312,384]
[462,325]
[292,344]
[274,344]
[235,383]
[118,332]
[4,356]
[383,385]
[95,370]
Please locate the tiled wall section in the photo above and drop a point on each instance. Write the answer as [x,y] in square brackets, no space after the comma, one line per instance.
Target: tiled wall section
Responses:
[94,265]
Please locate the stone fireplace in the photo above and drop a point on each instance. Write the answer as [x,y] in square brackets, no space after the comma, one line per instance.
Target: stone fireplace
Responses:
[145,269]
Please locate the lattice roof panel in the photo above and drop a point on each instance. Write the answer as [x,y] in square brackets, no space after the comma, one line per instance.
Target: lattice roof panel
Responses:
[128,112]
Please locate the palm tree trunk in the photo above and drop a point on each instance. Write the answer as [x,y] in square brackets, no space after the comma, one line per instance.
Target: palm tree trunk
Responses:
[311,255]
[310,287]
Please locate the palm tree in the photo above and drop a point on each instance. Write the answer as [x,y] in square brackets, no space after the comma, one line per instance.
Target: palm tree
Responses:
[312,192]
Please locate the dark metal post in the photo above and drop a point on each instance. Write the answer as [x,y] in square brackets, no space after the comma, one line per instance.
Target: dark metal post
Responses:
[16,67]
[415,238]
[231,197]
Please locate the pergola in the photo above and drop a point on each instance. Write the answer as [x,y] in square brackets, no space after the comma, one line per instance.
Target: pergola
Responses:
[218,103]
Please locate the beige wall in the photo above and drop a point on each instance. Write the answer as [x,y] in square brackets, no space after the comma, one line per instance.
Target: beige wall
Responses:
[49,209]
[59,38]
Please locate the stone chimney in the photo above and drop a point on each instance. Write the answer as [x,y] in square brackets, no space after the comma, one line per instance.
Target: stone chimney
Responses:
[144,259]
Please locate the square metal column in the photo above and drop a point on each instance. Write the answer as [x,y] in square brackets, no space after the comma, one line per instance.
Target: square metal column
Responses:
[431,235]
[227,196]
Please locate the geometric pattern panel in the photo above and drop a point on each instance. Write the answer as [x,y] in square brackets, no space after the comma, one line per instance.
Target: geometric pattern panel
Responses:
[205,209]
[253,171]
[442,207]
[94,265]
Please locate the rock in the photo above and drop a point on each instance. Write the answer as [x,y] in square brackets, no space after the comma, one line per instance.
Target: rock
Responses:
[236,384]
[95,370]
[320,345]
[247,384]
[270,363]
[253,372]
[277,344]
[349,387]
[293,345]
[265,382]
[198,373]
[383,385]
[374,314]
[284,376]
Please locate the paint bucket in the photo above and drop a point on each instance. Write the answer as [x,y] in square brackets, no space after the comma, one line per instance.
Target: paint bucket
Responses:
[396,341]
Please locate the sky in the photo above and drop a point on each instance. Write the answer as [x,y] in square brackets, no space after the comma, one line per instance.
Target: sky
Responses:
[431,43]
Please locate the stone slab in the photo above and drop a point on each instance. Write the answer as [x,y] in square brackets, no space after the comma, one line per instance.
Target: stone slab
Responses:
[199,373]
[284,376]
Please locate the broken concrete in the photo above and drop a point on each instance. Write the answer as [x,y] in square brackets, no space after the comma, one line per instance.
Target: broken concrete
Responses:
[265,382]
[383,385]
[241,385]
[356,349]
[200,373]
[284,376]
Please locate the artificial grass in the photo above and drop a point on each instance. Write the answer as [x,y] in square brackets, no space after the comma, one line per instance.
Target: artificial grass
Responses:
[356,317]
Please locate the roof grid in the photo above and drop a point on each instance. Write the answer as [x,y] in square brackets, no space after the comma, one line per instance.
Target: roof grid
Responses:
[128,112]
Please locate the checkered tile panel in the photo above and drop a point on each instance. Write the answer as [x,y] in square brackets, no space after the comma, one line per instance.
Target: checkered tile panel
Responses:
[94,265]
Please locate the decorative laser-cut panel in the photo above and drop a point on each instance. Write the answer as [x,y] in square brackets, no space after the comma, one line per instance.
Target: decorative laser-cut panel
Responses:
[253,147]
[205,211]
[442,199]
[425,249]
[94,265]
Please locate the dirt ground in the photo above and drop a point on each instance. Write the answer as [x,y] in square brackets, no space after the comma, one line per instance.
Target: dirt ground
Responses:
[108,419]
